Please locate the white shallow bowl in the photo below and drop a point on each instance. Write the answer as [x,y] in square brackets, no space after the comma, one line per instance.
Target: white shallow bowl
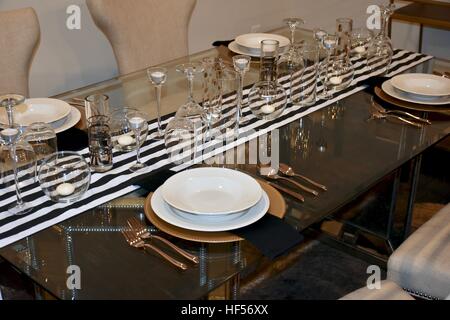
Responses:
[211,191]
[427,85]
[207,223]
[393,92]
[253,40]
[38,110]
[72,119]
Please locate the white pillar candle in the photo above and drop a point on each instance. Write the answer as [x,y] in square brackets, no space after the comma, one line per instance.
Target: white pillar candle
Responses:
[335,80]
[267,109]
[65,189]
[125,140]
[360,49]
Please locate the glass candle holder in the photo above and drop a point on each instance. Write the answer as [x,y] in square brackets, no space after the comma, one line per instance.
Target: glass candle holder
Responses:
[269,56]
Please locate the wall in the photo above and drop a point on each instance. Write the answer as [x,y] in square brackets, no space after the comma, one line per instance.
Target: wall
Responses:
[71,59]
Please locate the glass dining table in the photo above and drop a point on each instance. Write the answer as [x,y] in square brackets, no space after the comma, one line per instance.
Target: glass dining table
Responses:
[336,146]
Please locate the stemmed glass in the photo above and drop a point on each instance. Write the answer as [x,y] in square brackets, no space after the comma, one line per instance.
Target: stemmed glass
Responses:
[293,24]
[242,66]
[191,109]
[9,101]
[380,50]
[18,161]
[158,77]
[329,43]
[138,123]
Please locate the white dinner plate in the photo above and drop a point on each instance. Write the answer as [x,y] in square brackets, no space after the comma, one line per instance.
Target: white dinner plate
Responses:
[211,191]
[427,85]
[390,90]
[166,213]
[73,118]
[253,40]
[38,110]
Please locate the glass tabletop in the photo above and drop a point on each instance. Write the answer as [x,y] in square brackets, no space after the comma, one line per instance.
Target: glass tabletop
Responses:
[336,146]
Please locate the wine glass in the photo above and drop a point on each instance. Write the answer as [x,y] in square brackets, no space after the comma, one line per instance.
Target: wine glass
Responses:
[293,24]
[9,101]
[42,137]
[329,43]
[18,164]
[138,123]
[380,52]
[158,77]
[241,64]
[191,109]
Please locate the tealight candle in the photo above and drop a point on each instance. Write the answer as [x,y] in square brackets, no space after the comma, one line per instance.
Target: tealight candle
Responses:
[360,49]
[267,109]
[136,122]
[241,63]
[125,140]
[158,77]
[65,189]
[329,43]
[335,80]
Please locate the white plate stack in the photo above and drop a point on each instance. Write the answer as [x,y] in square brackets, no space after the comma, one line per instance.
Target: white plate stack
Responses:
[250,43]
[59,114]
[210,200]
[419,88]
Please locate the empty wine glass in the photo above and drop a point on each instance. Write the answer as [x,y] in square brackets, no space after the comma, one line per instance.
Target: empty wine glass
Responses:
[42,137]
[242,66]
[293,24]
[380,52]
[18,165]
[9,101]
[158,77]
[329,43]
[181,140]
[191,109]
[138,123]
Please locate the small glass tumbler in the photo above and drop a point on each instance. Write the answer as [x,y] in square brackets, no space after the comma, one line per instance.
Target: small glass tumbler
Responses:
[269,57]
[305,93]
[100,144]
[64,177]
[96,105]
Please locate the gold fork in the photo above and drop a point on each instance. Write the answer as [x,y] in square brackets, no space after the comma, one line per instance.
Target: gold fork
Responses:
[141,231]
[137,242]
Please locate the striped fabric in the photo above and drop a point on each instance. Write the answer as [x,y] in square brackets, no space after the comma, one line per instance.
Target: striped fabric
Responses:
[120,181]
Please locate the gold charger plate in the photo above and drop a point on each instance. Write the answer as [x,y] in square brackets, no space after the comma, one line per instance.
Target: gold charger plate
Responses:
[409,105]
[277,208]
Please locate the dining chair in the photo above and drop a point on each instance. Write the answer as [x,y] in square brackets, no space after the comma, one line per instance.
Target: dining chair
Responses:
[19,39]
[143,33]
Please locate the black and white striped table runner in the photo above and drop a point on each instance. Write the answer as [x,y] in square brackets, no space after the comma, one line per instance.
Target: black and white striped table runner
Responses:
[120,181]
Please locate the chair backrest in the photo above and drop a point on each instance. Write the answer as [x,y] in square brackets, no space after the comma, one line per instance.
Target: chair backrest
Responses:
[144,33]
[19,39]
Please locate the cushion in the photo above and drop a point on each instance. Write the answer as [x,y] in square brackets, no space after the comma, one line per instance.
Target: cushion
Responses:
[388,291]
[422,263]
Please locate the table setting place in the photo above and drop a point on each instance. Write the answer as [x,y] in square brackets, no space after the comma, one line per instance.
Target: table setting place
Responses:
[48,177]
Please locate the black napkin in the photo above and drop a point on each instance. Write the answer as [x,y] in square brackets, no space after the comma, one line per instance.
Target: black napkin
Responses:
[72,140]
[270,235]
[222,43]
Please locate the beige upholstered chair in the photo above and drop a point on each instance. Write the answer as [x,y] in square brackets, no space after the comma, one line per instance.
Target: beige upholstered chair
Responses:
[19,39]
[144,32]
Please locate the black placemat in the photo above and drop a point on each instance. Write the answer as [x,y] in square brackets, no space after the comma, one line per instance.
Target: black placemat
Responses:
[272,236]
